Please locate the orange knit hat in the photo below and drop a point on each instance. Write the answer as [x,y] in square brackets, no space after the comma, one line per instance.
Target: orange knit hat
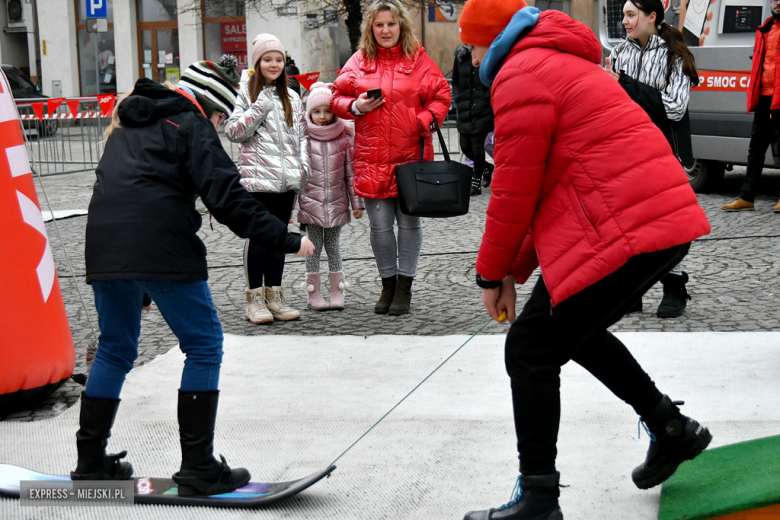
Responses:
[482,20]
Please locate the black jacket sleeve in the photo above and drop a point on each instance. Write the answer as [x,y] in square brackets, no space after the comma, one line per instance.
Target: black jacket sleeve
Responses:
[645,96]
[216,179]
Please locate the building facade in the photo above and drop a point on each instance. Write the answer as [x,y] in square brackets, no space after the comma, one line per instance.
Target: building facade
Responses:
[82,56]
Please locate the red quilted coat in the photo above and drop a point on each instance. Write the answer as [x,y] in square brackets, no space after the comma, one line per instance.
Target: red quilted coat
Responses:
[390,135]
[759,53]
[583,180]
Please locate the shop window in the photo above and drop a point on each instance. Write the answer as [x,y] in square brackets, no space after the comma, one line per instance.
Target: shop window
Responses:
[96,53]
[224,31]
[157,11]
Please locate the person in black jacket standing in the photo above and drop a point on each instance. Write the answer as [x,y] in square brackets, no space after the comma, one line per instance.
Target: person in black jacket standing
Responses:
[475,116]
[162,153]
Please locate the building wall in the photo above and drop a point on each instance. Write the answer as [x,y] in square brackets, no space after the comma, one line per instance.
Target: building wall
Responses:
[286,28]
[57,26]
[125,44]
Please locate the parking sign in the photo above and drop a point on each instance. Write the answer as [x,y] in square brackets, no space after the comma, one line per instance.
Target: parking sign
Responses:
[97,8]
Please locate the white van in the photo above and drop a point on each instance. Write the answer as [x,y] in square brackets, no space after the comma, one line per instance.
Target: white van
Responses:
[723,49]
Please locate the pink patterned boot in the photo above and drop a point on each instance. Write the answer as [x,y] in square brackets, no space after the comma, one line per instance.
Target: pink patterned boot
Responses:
[337,287]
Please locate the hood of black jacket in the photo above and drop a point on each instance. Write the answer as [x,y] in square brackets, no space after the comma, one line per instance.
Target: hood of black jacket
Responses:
[462,53]
[151,102]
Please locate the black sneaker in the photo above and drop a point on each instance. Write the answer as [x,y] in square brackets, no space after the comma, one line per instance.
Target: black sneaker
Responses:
[476,185]
[534,498]
[675,438]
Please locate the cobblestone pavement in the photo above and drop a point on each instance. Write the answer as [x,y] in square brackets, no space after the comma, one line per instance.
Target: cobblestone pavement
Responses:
[734,274]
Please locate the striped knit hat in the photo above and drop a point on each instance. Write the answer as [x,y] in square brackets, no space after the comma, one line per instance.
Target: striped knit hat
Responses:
[213,84]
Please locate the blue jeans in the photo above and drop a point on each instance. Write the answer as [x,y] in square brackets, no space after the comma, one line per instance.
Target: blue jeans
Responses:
[394,256]
[189,311]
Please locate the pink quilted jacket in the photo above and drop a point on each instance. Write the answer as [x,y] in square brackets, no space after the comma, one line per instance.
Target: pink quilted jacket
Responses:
[327,195]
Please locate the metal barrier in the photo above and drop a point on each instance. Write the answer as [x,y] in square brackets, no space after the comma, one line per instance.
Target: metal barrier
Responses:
[60,143]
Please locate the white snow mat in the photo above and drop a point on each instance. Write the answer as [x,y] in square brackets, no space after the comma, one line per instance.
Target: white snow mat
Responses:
[290,405]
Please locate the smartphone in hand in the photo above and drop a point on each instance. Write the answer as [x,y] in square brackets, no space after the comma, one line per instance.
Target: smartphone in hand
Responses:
[374,93]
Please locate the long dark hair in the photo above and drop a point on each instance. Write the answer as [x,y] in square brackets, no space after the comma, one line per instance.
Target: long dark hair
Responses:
[673,38]
[257,82]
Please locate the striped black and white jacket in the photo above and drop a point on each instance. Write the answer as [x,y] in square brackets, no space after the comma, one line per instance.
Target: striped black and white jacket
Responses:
[648,66]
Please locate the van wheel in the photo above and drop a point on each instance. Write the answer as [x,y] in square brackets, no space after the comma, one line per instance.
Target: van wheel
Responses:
[705,176]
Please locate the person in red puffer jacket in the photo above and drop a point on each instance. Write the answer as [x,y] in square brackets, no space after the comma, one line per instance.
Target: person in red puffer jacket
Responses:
[387,133]
[587,188]
[763,99]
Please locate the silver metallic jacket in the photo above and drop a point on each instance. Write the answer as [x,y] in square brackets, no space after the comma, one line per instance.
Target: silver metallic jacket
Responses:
[274,157]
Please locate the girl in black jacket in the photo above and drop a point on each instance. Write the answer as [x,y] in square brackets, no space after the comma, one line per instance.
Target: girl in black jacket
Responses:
[162,153]
[475,116]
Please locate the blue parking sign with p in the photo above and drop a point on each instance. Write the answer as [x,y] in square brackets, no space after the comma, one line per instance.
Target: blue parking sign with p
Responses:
[97,8]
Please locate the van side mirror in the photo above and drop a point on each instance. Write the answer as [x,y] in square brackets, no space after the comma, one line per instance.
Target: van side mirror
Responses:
[38,88]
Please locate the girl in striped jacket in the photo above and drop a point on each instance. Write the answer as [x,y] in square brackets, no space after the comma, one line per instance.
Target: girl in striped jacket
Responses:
[657,70]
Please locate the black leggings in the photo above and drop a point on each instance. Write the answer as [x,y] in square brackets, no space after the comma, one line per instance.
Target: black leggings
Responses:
[473,147]
[259,263]
[543,339]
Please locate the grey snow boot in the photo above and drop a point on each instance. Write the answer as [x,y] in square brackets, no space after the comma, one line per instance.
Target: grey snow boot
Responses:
[675,438]
[535,497]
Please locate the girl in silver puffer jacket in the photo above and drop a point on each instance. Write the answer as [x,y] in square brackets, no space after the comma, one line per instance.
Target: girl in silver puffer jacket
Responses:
[326,197]
[269,123]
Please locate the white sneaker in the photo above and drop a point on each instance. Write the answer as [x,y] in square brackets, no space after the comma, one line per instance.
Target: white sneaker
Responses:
[274,298]
[256,310]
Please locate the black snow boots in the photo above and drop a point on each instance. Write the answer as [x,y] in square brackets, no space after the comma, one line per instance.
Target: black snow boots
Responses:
[535,497]
[95,421]
[200,473]
[675,296]
[675,438]
[386,298]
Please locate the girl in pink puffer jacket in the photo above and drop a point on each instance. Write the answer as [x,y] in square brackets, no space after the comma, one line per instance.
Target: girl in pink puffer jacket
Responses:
[326,197]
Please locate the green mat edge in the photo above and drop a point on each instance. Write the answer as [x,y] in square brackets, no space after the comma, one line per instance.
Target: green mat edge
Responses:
[762,499]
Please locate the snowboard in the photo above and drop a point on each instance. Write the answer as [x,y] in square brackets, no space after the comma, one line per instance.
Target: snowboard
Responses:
[151,490]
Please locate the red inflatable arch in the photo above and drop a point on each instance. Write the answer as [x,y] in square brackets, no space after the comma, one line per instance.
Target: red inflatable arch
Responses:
[36,346]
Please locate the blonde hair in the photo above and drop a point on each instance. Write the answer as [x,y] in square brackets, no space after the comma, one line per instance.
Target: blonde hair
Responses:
[409,44]
[115,114]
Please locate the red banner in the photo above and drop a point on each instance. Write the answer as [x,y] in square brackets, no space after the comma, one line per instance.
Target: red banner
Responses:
[307,80]
[107,103]
[73,105]
[233,37]
[38,108]
[53,103]
[723,81]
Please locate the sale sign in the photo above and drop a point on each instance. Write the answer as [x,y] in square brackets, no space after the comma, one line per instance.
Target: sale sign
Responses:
[723,81]
[233,37]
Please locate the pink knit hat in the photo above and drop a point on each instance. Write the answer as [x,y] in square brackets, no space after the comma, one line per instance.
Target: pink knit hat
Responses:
[265,43]
[319,94]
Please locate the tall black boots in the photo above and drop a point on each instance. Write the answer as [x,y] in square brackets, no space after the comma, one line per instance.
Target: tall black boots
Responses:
[95,421]
[675,439]
[535,498]
[200,473]
[675,296]
[388,293]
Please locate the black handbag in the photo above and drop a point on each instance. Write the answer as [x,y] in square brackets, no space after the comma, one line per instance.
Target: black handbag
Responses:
[435,189]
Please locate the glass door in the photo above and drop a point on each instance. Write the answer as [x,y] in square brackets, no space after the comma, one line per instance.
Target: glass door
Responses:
[160,55]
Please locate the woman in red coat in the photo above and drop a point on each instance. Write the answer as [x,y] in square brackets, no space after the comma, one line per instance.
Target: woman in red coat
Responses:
[587,188]
[388,128]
